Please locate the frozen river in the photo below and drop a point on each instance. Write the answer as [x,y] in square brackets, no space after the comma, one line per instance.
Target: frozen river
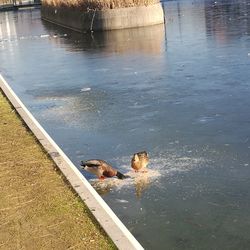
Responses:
[181,91]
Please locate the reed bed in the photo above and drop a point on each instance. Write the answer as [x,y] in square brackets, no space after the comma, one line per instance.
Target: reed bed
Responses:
[98,4]
[3,2]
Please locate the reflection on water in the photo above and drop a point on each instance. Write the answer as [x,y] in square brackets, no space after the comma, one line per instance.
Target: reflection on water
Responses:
[149,40]
[7,27]
[162,165]
[181,92]
[140,182]
[224,29]
[19,26]
[73,106]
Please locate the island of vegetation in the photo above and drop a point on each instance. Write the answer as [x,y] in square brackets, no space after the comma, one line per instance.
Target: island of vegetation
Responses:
[94,15]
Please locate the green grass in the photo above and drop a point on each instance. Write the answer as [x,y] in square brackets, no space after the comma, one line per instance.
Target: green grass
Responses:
[38,209]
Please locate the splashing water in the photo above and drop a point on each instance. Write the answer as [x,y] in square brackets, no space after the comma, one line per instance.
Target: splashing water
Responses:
[161,166]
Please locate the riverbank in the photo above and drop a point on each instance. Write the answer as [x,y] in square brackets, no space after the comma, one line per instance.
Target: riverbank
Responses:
[38,208]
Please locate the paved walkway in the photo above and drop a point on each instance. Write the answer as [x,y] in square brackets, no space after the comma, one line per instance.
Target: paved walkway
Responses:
[38,209]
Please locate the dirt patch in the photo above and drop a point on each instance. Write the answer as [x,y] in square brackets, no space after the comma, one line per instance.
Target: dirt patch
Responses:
[38,209]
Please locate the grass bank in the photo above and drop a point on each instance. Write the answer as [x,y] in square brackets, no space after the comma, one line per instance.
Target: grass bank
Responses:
[98,4]
[38,209]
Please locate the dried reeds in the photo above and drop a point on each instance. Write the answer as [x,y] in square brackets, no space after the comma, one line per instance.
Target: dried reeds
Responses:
[98,4]
[3,2]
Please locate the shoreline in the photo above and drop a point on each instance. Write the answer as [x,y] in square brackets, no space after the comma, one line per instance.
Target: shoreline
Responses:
[37,203]
[111,224]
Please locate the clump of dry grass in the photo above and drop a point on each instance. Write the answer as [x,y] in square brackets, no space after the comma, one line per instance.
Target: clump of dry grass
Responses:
[3,2]
[98,4]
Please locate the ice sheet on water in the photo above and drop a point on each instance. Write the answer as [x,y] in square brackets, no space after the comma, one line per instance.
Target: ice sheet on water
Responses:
[44,35]
[209,118]
[85,89]
[133,179]
[162,165]
[122,201]
[40,36]
[101,70]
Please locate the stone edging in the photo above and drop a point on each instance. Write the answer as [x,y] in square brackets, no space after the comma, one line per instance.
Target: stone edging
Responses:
[100,20]
[116,230]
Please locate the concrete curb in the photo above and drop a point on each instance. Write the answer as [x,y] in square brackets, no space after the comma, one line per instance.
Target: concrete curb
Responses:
[108,19]
[116,230]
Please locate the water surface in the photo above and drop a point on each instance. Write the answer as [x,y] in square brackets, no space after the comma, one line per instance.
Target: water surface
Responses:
[180,91]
